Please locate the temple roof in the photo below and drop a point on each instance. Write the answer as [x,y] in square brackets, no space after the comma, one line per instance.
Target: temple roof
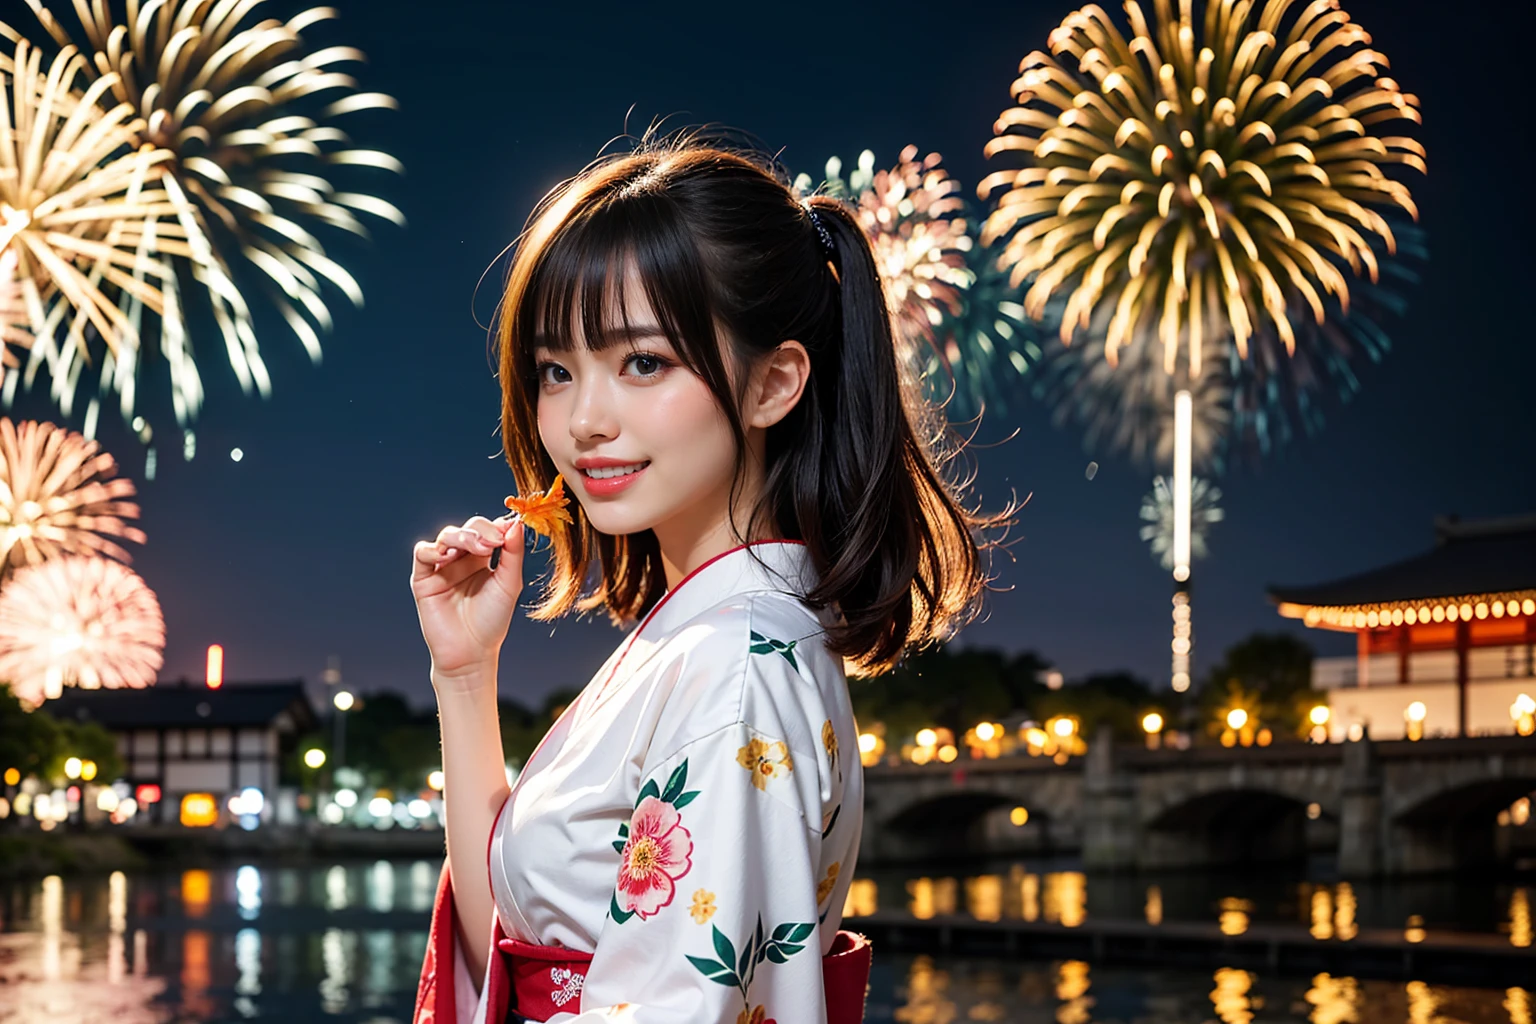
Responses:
[170,705]
[1489,556]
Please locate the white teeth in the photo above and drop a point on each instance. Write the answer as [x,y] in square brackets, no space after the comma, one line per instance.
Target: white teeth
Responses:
[608,473]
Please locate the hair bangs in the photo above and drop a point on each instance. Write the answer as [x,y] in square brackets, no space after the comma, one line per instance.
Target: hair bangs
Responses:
[578,289]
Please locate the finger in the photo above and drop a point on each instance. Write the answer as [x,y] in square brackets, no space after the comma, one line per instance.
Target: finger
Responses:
[458,538]
[428,557]
[491,531]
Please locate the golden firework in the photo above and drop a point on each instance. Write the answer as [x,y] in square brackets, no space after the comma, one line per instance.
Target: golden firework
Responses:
[60,494]
[1223,174]
[79,202]
[247,112]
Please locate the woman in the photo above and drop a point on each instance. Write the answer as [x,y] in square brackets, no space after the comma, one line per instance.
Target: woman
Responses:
[709,362]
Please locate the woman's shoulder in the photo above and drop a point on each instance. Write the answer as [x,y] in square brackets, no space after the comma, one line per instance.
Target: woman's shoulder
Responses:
[760,661]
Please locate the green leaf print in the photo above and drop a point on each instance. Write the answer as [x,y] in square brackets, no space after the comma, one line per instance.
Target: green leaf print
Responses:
[675,783]
[715,972]
[723,948]
[614,911]
[767,645]
[784,943]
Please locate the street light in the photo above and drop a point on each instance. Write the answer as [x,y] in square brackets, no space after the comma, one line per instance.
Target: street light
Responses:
[1415,713]
[435,779]
[72,767]
[343,701]
[1152,725]
[1236,719]
[314,757]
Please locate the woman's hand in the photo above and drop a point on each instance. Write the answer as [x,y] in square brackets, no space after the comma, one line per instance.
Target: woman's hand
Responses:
[464,605]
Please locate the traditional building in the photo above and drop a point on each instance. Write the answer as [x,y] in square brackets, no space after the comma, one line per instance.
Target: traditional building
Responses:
[1444,640]
[185,738]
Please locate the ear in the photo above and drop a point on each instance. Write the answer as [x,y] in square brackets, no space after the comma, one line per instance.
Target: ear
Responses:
[777,383]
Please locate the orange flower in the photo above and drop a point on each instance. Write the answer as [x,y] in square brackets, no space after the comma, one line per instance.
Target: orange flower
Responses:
[542,510]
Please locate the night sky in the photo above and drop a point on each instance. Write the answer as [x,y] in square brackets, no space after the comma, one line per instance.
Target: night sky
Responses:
[302,550]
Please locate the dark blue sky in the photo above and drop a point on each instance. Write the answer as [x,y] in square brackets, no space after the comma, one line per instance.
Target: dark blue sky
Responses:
[302,550]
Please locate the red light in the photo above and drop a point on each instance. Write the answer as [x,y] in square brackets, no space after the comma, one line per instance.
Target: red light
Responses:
[149,793]
[215,666]
[73,793]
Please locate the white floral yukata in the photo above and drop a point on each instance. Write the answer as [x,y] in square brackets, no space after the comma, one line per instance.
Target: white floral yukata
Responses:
[693,818]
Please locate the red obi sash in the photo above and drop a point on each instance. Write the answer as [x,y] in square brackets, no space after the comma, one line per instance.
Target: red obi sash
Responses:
[541,981]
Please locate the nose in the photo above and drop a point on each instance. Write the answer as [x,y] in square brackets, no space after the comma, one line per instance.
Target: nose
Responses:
[592,416]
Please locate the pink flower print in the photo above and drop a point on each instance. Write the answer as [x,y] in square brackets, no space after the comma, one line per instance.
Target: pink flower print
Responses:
[656,854]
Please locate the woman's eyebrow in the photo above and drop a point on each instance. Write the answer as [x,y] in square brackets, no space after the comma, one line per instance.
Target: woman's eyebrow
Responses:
[607,339]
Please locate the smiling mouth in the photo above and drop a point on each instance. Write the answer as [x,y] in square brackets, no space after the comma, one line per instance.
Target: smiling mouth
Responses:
[613,472]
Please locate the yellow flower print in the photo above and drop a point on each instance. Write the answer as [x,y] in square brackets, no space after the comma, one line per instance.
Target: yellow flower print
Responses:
[829,740]
[765,761]
[756,1015]
[826,885]
[703,906]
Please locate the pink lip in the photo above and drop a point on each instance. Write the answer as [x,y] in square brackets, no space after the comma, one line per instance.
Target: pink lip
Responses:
[606,488]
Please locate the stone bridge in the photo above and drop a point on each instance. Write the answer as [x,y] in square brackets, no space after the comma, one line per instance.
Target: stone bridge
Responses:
[1386,808]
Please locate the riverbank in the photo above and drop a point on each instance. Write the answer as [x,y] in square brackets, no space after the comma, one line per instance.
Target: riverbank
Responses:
[29,853]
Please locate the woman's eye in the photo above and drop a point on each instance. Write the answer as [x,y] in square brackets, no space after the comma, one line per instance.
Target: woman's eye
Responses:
[645,365]
[551,373]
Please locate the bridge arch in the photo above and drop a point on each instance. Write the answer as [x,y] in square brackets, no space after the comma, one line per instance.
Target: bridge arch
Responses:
[1465,803]
[1226,825]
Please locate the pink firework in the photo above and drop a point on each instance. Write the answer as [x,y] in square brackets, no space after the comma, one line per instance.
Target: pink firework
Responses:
[914,215]
[60,494]
[87,622]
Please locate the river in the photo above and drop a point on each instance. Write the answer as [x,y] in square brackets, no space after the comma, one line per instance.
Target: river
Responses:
[342,942]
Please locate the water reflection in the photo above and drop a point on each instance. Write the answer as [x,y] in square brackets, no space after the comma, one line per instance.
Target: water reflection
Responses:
[1333,1000]
[1234,915]
[195,891]
[336,888]
[1066,897]
[1517,1001]
[242,944]
[1520,918]
[1230,996]
[1072,986]
[248,964]
[248,891]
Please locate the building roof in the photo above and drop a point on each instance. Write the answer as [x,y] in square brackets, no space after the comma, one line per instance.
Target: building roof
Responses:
[1490,556]
[187,705]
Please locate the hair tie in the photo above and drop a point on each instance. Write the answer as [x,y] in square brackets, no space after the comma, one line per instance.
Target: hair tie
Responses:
[821,231]
[827,248]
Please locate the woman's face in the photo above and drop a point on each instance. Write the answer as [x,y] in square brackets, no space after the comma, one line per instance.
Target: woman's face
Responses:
[640,439]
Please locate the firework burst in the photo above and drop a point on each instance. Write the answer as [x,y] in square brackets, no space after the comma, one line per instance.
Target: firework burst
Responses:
[1157,512]
[958,320]
[79,200]
[248,114]
[1221,175]
[59,494]
[914,215]
[1128,407]
[1242,408]
[87,622]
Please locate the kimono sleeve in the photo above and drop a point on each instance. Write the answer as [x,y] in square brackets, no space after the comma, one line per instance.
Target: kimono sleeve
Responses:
[714,916]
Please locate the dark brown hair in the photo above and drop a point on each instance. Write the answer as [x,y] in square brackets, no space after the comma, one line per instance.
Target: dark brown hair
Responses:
[854,470]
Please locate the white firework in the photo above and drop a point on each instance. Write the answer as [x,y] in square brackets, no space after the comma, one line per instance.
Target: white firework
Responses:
[86,622]
[1157,513]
